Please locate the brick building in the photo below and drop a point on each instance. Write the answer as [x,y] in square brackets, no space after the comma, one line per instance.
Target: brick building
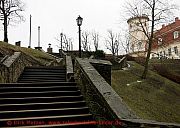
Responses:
[167,41]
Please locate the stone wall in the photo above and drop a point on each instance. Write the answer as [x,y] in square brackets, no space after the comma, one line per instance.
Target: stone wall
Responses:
[104,103]
[12,67]
[103,67]
[69,69]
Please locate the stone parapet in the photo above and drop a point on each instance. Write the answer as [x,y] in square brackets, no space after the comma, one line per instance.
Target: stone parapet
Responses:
[69,69]
[104,103]
[103,67]
[12,67]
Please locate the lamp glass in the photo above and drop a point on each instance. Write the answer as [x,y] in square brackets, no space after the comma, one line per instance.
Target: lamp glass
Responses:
[79,21]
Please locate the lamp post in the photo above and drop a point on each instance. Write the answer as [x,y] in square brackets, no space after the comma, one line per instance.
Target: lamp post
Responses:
[38,36]
[61,39]
[79,23]
[116,47]
[30,33]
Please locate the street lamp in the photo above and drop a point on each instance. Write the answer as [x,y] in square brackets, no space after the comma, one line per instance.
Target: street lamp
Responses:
[79,23]
[61,38]
[49,45]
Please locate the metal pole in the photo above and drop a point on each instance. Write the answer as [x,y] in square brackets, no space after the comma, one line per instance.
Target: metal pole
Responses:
[79,41]
[30,34]
[61,39]
[38,36]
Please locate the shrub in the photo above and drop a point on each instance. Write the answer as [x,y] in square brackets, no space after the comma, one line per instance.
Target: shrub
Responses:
[99,54]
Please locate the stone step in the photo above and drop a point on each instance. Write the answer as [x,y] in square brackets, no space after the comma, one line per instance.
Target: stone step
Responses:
[45,84]
[44,70]
[43,112]
[40,99]
[42,78]
[49,121]
[43,73]
[39,94]
[36,106]
[76,124]
[39,80]
[47,67]
[38,89]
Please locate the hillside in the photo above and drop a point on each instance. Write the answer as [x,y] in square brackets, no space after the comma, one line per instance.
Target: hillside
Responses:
[155,98]
[168,68]
[41,57]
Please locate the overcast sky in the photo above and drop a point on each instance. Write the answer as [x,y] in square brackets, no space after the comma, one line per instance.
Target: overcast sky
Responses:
[56,16]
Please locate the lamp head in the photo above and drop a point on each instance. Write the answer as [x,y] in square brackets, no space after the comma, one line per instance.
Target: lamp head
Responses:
[79,20]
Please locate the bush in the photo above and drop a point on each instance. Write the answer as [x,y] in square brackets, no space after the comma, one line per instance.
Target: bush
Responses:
[99,54]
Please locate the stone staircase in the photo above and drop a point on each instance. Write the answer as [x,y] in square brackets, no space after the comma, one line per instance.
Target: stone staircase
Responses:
[43,98]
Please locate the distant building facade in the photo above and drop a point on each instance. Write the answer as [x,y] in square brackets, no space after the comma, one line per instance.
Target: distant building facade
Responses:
[137,38]
[167,41]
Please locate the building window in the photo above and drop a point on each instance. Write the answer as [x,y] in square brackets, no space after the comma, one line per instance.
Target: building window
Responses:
[169,51]
[164,53]
[176,34]
[152,55]
[161,54]
[139,45]
[176,50]
[160,41]
[157,55]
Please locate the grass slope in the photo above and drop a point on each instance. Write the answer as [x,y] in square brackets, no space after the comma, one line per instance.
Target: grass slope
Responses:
[155,98]
[36,54]
[170,64]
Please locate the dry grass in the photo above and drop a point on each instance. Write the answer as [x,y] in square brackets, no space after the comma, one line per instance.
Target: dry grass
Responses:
[155,98]
[36,54]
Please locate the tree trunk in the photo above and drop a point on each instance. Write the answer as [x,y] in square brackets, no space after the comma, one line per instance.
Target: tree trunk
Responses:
[96,48]
[144,75]
[5,29]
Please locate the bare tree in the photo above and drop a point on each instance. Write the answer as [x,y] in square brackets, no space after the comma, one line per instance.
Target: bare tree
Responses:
[86,40]
[66,42]
[10,11]
[158,11]
[95,39]
[112,42]
[125,44]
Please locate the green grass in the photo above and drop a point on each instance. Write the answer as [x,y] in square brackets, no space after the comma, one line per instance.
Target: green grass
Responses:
[155,98]
[36,54]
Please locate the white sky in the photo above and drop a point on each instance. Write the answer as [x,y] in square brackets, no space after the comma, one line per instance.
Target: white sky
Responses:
[56,16]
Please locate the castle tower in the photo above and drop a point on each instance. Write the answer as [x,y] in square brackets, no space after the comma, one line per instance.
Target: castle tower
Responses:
[137,38]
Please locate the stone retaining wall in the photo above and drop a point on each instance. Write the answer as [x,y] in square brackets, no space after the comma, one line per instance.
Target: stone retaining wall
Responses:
[103,67]
[12,67]
[104,103]
[69,69]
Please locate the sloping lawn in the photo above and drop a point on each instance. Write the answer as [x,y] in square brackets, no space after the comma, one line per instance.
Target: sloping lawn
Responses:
[36,54]
[155,98]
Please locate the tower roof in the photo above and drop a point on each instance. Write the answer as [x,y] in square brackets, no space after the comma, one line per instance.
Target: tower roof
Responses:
[137,17]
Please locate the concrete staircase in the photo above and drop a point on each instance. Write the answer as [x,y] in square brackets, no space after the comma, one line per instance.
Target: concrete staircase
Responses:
[43,98]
